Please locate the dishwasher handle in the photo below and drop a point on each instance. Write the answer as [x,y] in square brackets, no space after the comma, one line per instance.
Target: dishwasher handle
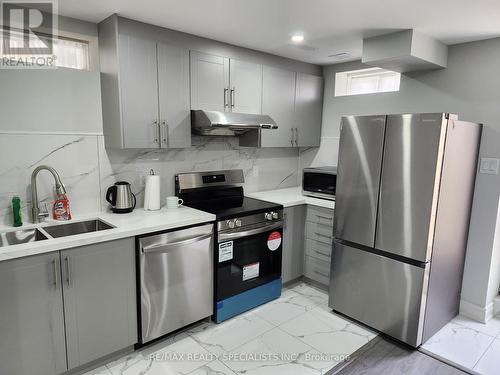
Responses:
[168,246]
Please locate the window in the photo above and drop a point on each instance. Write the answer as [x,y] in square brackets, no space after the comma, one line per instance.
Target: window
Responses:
[366,81]
[69,53]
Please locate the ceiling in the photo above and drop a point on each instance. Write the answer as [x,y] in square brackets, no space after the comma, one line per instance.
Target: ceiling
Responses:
[329,26]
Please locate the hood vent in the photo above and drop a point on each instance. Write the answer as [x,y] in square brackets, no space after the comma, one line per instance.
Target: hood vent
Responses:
[228,123]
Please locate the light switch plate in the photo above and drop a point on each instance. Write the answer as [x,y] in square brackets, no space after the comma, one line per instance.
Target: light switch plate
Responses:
[489,166]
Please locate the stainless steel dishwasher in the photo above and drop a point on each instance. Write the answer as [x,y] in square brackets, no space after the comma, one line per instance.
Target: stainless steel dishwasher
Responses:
[176,280]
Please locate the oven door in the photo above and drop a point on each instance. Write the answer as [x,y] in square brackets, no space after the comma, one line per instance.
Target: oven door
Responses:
[248,257]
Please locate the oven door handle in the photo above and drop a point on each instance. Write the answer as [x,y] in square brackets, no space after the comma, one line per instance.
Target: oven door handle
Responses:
[166,247]
[250,232]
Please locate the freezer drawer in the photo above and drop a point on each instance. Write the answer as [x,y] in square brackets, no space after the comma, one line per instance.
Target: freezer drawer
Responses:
[383,293]
[176,280]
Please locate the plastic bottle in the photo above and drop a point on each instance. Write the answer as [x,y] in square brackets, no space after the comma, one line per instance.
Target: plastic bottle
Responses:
[16,210]
[61,208]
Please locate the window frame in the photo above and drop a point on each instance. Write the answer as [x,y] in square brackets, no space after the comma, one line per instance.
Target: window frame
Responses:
[345,79]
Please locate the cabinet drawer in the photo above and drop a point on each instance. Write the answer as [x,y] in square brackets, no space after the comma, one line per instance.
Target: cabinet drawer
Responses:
[319,250]
[319,232]
[320,215]
[317,270]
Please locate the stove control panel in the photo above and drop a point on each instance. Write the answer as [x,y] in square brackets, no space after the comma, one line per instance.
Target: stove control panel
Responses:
[243,221]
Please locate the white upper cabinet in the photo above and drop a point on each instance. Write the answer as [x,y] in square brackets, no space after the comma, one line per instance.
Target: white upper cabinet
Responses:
[209,82]
[173,89]
[139,92]
[246,87]
[145,90]
[278,101]
[226,85]
[308,110]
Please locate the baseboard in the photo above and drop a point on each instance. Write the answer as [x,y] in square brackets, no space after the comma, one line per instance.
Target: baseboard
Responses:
[496,306]
[475,312]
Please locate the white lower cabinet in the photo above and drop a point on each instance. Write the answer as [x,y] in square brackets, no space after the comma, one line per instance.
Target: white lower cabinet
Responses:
[64,309]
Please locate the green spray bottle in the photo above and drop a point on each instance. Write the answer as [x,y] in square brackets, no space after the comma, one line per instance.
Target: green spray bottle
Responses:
[16,210]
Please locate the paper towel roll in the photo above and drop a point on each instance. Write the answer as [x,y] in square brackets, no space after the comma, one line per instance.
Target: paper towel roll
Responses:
[152,193]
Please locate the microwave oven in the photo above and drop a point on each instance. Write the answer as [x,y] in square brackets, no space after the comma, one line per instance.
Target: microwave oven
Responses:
[319,182]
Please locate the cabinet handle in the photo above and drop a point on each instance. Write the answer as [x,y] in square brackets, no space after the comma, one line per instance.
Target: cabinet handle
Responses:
[322,235]
[324,217]
[233,97]
[54,269]
[68,271]
[321,273]
[164,132]
[155,124]
[225,97]
[296,136]
[321,253]
[293,137]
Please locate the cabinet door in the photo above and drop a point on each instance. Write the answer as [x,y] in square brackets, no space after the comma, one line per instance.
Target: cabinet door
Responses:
[246,87]
[308,110]
[173,89]
[278,101]
[293,243]
[31,316]
[209,82]
[99,300]
[138,92]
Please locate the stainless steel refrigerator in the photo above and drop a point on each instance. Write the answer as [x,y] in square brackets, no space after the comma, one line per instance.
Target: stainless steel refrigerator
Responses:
[402,211]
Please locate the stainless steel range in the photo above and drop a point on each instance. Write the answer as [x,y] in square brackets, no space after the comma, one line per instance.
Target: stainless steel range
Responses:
[248,240]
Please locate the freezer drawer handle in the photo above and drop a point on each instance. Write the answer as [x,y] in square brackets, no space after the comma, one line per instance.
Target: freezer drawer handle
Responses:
[165,247]
[235,235]
[321,273]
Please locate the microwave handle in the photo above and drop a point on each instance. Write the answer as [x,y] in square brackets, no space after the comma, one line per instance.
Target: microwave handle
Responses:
[250,232]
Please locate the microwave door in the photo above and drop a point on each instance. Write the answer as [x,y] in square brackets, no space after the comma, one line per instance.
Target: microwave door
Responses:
[358,178]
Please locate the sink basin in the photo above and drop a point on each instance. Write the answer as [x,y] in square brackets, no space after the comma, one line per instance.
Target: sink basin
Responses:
[70,229]
[21,236]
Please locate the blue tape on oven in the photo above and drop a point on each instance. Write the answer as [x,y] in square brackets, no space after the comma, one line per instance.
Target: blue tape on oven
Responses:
[247,300]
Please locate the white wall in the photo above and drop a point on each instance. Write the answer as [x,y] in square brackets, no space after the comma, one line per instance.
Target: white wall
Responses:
[469,87]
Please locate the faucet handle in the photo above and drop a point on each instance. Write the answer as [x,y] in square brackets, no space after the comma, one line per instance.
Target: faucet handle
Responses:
[43,211]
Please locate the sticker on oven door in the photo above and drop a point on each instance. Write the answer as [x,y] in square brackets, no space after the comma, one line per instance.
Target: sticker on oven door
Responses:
[274,241]
[250,271]
[225,251]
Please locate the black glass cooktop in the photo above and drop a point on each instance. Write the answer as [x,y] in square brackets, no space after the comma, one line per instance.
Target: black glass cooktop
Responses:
[226,203]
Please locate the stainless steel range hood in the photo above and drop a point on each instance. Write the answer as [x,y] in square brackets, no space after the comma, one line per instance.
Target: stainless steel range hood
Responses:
[228,123]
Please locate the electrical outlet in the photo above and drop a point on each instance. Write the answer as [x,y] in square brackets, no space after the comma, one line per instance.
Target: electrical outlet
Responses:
[489,166]
[255,171]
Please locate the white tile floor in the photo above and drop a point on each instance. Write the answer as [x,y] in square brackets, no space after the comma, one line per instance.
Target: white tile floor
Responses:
[296,334]
[470,344]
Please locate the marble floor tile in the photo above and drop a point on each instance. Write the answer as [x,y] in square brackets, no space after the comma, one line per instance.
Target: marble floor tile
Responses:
[180,357]
[458,344]
[99,371]
[489,364]
[314,294]
[224,337]
[491,328]
[213,368]
[273,348]
[328,333]
[288,306]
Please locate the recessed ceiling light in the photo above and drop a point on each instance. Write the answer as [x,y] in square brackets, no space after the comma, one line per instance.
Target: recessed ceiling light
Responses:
[297,38]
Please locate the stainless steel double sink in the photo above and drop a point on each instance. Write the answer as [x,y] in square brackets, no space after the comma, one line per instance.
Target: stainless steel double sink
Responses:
[17,237]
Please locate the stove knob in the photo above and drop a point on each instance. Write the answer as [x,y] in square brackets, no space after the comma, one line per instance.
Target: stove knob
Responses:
[230,224]
[268,215]
[276,215]
[238,222]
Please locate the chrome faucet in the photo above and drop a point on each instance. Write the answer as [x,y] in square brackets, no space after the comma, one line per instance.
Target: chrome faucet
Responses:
[36,212]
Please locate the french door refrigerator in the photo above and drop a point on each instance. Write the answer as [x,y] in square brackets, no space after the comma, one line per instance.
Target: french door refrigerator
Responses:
[403,201]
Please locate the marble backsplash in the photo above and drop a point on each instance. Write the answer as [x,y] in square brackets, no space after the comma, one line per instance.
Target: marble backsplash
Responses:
[87,168]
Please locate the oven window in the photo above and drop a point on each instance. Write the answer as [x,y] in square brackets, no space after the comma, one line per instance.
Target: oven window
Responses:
[253,263]
[320,182]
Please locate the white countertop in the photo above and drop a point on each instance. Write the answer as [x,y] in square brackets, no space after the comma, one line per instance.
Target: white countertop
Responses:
[127,225]
[291,197]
